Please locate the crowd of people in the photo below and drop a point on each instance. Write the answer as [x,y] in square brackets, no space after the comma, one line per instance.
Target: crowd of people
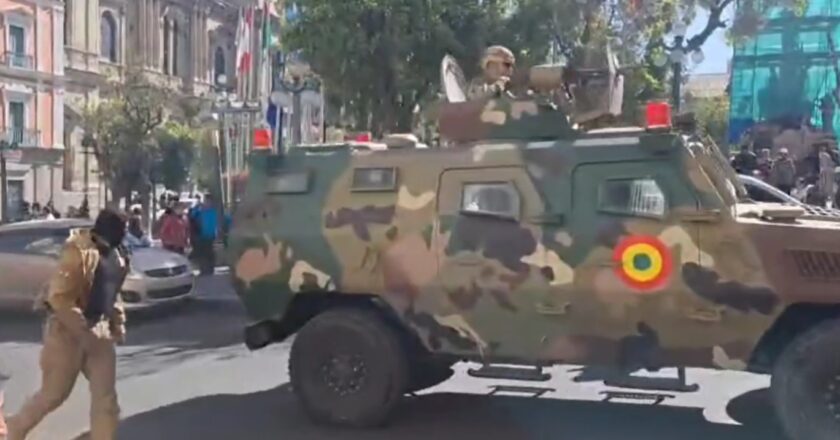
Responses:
[811,178]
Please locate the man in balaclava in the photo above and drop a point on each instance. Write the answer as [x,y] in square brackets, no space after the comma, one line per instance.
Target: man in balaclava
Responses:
[85,319]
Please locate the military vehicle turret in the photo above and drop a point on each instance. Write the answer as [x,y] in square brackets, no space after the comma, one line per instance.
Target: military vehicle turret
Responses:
[533,239]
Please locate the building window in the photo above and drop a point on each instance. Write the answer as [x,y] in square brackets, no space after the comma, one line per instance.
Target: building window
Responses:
[497,199]
[219,66]
[639,197]
[166,46]
[174,36]
[16,121]
[108,37]
[68,19]
[17,46]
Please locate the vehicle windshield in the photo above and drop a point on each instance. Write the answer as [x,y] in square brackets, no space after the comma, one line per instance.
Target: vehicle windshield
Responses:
[720,172]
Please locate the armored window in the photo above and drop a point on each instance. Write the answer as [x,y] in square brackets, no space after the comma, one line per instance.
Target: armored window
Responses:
[374,179]
[289,183]
[499,199]
[642,197]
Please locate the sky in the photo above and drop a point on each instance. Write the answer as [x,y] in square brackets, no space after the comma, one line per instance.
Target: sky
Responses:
[717,51]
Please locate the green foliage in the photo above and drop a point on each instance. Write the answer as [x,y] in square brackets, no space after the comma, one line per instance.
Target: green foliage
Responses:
[712,115]
[119,130]
[176,151]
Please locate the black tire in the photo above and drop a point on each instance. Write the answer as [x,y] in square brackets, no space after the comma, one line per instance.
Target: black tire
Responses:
[347,368]
[806,384]
[428,372]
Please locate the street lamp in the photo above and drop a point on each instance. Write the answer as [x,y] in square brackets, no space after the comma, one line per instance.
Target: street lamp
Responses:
[675,53]
[295,78]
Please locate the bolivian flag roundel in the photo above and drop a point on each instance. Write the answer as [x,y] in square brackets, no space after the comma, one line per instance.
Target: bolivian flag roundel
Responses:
[643,262]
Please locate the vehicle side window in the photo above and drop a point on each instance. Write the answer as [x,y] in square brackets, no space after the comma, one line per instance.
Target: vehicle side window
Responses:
[639,197]
[33,242]
[497,199]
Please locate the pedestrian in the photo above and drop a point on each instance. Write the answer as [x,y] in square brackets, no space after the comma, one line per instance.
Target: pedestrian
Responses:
[765,163]
[173,231]
[136,237]
[826,181]
[205,220]
[745,162]
[783,172]
[85,320]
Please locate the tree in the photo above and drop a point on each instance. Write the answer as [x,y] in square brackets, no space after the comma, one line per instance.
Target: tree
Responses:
[176,151]
[119,130]
[712,116]
[381,58]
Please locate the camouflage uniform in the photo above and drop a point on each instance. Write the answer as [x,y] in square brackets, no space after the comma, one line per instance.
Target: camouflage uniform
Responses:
[75,342]
[487,85]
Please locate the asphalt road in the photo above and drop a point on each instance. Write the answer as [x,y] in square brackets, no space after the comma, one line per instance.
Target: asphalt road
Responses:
[184,373]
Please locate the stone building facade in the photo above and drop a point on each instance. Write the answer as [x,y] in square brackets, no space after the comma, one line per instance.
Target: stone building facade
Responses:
[185,44]
[31,99]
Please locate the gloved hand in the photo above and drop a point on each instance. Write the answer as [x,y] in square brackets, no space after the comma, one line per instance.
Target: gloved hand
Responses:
[501,85]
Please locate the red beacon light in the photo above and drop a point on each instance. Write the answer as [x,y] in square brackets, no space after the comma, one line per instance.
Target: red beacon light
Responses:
[658,116]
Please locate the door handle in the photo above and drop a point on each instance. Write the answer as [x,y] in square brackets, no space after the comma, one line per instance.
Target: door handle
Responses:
[701,216]
[548,219]
[554,310]
[703,314]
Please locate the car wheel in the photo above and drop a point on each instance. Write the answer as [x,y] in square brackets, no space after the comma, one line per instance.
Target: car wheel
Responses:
[347,368]
[806,384]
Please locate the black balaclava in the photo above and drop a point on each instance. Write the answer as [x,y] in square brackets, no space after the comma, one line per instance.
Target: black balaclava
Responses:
[110,226]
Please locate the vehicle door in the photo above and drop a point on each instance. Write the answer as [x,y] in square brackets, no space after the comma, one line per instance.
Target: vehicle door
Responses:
[27,260]
[489,268]
[634,227]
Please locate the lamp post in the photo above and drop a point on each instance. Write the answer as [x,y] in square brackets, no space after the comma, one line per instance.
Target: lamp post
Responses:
[296,78]
[675,53]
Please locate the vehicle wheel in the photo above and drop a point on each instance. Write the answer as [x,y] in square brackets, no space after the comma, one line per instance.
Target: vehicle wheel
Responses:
[427,373]
[806,384]
[347,368]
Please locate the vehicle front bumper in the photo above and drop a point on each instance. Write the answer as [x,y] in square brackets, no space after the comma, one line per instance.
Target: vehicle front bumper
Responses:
[140,291]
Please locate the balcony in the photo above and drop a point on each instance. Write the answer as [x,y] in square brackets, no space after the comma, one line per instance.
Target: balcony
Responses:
[24,138]
[18,60]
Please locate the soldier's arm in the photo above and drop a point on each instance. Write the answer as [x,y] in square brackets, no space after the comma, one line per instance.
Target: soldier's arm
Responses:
[65,288]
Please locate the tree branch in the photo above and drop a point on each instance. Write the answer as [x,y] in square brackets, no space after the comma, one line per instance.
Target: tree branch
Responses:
[714,23]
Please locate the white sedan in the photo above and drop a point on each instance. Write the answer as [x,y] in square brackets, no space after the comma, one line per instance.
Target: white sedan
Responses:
[29,255]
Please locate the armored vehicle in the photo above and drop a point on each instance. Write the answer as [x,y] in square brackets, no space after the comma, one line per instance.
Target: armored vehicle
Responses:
[534,239]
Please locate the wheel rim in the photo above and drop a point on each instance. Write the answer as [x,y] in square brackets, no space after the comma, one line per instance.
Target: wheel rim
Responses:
[344,374]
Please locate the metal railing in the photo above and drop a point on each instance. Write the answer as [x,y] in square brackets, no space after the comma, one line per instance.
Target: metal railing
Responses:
[21,136]
[18,60]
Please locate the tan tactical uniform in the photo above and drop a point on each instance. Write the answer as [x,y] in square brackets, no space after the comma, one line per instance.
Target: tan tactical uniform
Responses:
[72,345]
[487,86]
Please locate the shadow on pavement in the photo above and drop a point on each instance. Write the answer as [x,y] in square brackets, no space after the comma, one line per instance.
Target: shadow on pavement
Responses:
[275,414]
[197,323]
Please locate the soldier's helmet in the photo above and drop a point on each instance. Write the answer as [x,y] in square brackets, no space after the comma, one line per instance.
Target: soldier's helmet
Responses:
[499,54]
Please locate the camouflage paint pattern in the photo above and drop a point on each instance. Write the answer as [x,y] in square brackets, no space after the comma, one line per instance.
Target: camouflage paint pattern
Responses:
[543,286]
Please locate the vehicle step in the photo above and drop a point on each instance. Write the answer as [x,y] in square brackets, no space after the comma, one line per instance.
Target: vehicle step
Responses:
[656,397]
[535,391]
[677,384]
[530,374]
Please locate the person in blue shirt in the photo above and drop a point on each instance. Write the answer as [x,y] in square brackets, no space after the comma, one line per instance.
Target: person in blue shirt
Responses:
[205,219]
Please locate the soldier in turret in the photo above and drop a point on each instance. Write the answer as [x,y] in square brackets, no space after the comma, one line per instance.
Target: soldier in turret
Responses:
[497,68]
